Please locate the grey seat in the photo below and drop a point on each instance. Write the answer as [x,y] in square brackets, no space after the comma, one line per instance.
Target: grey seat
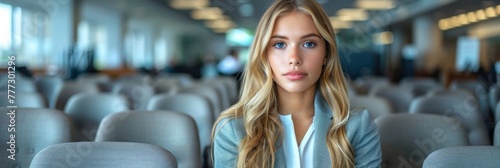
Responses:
[496,112]
[87,111]
[173,131]
[22,99]
[136,94]
[104,155]
[494,96]
[496,136]
[464,156]
[400,98]
[376,105]
[465,110]
[71,88]
[420,86]
[35,129]
[49,87]
[193,105]
[407,139]
[209,93]
[21,84]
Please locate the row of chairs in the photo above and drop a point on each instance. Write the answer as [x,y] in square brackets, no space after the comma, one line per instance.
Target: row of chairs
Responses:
[410,140]
[407,139]
[41,128]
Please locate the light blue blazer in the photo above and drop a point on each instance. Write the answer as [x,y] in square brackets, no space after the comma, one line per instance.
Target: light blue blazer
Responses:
[361,132]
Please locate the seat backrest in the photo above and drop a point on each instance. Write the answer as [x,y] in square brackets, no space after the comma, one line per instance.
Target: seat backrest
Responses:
[420,86]
[136,94]
[173,131]
[464,109]
[104,155]
[399,98]
[21,84]
[191,104]
[496,136]
[407,139]
[72,88]
[23,99]
[49,87]
[376,105]
[35,129]
[87,111]
[496,112]
[464,156]
[209,93]
[494,96]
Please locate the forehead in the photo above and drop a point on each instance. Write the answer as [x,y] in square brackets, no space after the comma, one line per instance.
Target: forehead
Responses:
[294,23]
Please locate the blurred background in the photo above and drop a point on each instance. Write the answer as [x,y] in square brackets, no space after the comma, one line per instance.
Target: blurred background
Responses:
[393,38]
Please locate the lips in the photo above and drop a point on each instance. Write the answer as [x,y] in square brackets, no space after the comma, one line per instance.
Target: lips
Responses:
[295,75]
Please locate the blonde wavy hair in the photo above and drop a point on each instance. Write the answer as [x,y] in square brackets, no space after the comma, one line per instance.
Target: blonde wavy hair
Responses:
[257,106]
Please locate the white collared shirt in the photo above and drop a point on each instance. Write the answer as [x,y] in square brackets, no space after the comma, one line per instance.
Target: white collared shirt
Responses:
[297,156]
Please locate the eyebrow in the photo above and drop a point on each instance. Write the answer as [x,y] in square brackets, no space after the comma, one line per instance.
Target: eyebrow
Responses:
[305,36]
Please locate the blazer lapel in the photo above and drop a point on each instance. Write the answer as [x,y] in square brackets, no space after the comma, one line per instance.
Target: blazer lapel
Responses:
[322,119]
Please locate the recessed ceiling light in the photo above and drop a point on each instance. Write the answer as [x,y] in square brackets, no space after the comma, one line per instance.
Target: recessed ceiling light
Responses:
[375,5]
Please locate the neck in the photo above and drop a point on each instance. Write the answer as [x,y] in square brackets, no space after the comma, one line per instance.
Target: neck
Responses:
[297,104]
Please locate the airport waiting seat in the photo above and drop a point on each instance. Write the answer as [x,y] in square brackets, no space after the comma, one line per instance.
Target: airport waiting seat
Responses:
[87,111]
[223,91]
[464,156]
[173,131]
[49,87]
[366,83]
[377,106]
[407,139]
[23,99]
[69,89]
[496,135]
[478,90]
[136,94]
[104,155]
[419,85]
[209,93]
[465,110]
[35,129]
[494,96]
[496,112]
[21,84]
[191,104]
[464,94]
[399,98]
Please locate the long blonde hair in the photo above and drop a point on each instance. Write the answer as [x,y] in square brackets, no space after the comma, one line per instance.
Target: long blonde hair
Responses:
[257,106]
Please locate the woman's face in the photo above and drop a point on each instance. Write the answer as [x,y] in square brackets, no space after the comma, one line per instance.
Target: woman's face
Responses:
[296,53]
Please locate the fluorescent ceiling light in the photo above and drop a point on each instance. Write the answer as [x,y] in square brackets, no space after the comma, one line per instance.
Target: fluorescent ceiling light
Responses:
[188,4]
[471,17]
[211,13]
[462,19]
[480,15]
[383,38]
[220,24]
[490,12]
[375,4]
[444,24]
[498,9]
[353,14]
[337,23]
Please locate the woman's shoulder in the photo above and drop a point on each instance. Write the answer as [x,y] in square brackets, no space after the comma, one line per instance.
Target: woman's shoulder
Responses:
[230,125]
[360,121]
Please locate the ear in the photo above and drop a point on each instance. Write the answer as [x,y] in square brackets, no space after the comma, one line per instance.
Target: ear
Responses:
[324,61]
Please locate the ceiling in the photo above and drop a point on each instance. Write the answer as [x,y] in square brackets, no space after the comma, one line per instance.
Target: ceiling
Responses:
[404,11]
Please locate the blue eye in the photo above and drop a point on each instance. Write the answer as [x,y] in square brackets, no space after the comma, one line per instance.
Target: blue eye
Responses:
[309,44]
[279,45]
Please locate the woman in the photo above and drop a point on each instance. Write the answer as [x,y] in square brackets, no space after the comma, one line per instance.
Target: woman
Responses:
[293,109]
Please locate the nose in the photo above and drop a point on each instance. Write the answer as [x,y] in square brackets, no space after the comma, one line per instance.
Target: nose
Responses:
[294,56]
